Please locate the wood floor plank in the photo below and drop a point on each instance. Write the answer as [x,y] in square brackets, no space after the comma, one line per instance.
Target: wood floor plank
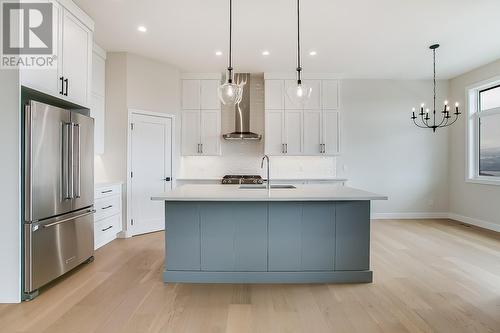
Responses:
[429,276]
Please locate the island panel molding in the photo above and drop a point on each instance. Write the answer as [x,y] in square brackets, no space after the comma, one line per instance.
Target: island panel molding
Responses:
[267,242]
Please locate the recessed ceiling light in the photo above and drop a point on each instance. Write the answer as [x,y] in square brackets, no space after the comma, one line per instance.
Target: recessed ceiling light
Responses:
[218,53]
[313,53]
[142,28]
[265,53]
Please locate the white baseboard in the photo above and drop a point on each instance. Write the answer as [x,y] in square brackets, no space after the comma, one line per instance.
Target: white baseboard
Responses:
[408,216]
[124,234]
[464,219]
[476,222]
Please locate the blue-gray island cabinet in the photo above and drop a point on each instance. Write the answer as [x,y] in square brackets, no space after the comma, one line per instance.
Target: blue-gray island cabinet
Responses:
[281,236]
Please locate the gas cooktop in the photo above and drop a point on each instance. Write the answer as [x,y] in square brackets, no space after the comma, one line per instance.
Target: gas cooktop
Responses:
[242,179]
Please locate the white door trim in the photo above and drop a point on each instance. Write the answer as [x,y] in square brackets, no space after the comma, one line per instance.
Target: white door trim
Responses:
[126,233]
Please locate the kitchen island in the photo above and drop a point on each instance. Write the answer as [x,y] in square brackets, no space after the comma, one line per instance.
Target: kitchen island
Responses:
[228,234]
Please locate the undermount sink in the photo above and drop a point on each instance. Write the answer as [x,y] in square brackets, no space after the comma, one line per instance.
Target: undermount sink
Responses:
[262,186]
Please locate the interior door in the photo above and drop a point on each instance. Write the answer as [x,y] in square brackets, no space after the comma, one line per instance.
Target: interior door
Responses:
[76,59]
[47,175]
[151,167]
[83,160]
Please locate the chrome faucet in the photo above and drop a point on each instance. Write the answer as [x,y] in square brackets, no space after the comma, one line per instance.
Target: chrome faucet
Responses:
[262,165]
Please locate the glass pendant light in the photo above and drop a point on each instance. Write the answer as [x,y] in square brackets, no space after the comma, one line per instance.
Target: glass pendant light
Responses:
[299,93]
[230,93]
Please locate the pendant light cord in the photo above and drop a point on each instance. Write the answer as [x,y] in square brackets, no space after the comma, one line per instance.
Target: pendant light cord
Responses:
[230,67]
[299,66]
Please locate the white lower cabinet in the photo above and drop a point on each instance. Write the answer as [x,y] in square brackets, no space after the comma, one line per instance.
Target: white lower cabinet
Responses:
[108,216]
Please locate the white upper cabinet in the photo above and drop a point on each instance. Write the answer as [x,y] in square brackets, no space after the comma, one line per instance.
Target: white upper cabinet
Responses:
[98,97]
[331,132]
[210,132]
[312,132]
[312,129]
[274,126]
[191,95]
[274,92]
[76,59]
[200,120]
[330,94]
[47,80]
[293,132]
[190,132]
[314,103]
[70,79]
[209,94]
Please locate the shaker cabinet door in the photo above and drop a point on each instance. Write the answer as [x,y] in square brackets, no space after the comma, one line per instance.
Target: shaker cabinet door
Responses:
[274,132]
[190,128]
[76,59]
[210,132]
[191,94]
[312,132]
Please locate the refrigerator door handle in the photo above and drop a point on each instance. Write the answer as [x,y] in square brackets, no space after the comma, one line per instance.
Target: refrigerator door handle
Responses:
[78,180]
[28,169]
[89,212]
[66,130]
[71,162]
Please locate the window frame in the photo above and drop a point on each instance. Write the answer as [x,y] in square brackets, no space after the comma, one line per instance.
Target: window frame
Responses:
[473,130]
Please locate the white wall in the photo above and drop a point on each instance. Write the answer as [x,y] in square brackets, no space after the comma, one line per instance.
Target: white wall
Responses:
[383,152]
[473,203]
[243,157]
[10,235]
[133,82]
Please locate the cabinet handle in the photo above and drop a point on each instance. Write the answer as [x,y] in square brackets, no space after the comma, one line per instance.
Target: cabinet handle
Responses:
[62,85]
[107,191]
[198,148]
[167,179]
[67,86]
[107,228]
[107,207]
[286,148]
[201,150]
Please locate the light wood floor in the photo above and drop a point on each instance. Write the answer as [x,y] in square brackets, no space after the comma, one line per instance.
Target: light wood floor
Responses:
[430,276]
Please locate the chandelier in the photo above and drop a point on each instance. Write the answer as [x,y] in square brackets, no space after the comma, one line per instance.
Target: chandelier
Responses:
[425,120]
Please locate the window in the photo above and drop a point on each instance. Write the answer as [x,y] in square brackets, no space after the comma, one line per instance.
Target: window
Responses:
[484,133]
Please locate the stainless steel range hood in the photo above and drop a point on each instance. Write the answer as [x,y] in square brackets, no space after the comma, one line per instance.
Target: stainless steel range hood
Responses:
[242,113]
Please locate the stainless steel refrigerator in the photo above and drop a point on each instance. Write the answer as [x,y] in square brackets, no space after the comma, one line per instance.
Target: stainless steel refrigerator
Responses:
[58,193]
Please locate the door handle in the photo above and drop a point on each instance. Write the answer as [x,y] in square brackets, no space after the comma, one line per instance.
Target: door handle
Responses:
[67,86]
[167,179]
[90,212]
[71,162]
[78,163]
[66,165]
[62,85]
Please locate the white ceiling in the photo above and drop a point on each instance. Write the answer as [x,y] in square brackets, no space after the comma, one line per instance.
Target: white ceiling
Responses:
[354,38]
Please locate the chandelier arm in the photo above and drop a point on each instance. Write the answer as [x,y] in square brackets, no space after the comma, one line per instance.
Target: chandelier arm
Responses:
[425,121]
[443,121]
[418,124]
[454,121]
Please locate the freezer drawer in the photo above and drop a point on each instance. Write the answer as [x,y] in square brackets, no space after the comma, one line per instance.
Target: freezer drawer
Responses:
[55,246]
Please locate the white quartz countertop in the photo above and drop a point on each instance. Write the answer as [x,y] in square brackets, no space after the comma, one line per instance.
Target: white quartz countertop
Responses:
[205,192]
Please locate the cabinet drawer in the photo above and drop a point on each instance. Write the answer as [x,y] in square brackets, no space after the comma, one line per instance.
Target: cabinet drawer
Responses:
[105,230]
[106,207]
[106,191]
